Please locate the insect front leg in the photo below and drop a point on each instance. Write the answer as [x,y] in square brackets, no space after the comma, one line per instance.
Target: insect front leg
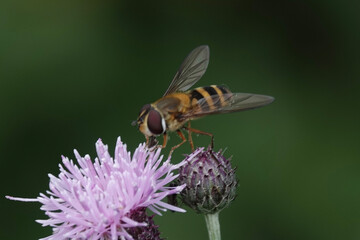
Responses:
[165,140]
[152,143]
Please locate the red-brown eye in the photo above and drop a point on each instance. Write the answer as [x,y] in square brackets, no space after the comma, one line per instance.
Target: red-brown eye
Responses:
[155,122]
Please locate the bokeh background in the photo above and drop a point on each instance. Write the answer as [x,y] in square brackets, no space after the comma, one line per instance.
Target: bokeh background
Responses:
[75,71]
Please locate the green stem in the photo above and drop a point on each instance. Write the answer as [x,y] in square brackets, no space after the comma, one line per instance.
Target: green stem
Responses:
[213,226]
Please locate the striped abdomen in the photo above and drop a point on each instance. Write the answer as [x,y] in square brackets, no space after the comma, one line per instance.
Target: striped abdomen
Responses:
[210,97]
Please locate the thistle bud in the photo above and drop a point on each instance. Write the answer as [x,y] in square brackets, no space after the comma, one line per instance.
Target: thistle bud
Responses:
[210,181]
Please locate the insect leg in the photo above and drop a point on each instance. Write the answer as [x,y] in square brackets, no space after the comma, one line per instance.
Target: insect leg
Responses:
[189,137]
[201,132]
[165,140]
[176,146]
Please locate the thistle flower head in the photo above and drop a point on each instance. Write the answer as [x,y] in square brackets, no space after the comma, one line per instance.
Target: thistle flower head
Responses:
[97,200]
[210,181]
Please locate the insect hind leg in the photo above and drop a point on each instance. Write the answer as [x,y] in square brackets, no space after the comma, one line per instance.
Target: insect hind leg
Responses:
[203,133]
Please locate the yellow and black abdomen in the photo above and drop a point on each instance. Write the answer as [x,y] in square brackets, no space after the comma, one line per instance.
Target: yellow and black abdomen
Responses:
[210,97]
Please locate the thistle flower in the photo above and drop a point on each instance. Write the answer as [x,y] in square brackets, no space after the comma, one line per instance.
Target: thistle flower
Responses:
[97,200]
[210,181]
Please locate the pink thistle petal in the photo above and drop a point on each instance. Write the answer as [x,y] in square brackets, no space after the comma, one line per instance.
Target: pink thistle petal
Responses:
[22,199]
[93,199]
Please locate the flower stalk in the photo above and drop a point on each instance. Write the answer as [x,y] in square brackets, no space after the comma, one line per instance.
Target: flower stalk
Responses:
[213,226]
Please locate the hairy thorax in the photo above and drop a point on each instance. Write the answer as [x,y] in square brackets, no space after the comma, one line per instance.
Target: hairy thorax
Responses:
[173,106]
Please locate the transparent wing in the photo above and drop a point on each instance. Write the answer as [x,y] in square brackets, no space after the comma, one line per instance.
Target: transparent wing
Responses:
[230,102]
[191,70]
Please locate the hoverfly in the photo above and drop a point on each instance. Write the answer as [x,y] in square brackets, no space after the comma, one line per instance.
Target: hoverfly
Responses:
[179,105]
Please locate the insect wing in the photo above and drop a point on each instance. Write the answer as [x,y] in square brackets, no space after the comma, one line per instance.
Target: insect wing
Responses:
[227,103]
[169,104]
[191,70]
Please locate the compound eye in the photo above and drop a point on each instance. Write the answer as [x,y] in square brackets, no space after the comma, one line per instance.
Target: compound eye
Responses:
[155,122]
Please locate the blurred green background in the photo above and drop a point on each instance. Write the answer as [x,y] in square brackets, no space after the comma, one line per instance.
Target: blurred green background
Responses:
[75,71]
